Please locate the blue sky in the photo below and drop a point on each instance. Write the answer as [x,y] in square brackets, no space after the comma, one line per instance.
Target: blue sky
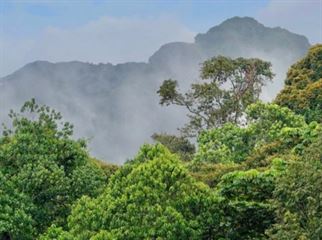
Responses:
[25,17]
[130,30]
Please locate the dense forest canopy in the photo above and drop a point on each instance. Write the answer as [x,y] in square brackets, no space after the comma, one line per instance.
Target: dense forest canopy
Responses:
[303,86]
[255,172]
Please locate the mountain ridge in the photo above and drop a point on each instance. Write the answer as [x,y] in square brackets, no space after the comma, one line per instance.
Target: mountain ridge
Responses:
[115,99]
[227,22]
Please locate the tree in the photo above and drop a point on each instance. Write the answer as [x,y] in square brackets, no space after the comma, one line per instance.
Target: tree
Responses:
[232,85]
[227,144]
[267,123]
[56,233]
[303,86]
[298,196]
[44,163]
[211,173]
[151,197]
[179,145]
[16,210]
[248,209]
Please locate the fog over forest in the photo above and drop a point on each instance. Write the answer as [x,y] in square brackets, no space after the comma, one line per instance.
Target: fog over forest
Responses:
[116,107]
[140,119]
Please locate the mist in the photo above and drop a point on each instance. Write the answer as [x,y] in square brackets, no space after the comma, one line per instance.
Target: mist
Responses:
[116,107]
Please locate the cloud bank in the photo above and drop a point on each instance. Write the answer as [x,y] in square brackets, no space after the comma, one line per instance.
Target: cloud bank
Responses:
[126,39]
[116,106]
[300,16]
[107,39]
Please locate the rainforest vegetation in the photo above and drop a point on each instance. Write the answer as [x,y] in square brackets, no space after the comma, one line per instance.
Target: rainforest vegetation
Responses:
[255,171]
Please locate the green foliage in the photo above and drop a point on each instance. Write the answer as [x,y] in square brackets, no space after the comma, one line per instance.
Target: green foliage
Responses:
[29,140]
[47,186]
[43,163]
[303,86]
[56,233]
[270,122]
[248,210]
[178,145]
[263,163]
[262,156]
[232,85]
[16,210]
[87,180]
[255,201]
[247,185]
[267,123]
[227,144]
[299,196]
[210,173]
[153,197]
[108,168]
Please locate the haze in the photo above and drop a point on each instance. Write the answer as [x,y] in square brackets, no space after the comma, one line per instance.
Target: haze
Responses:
[116,106]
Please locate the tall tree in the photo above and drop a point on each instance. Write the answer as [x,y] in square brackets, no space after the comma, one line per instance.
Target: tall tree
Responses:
[229,86]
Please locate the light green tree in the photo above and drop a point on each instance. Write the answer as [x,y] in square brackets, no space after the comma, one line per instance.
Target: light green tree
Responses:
[266,123]
[303,86]
[151,197]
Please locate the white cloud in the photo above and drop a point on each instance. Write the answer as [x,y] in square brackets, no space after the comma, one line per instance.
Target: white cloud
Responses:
[107,39]
[299,16]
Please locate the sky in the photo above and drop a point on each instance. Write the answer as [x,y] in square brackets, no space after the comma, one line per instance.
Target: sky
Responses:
[130,30]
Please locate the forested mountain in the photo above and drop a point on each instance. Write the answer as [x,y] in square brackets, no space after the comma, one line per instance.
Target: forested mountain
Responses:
[255,172]
[116,106]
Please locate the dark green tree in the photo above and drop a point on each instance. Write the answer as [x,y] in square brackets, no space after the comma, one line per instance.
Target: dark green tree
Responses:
[176,144]
[16,212]
[42,161]
[248,195]
[299,196]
